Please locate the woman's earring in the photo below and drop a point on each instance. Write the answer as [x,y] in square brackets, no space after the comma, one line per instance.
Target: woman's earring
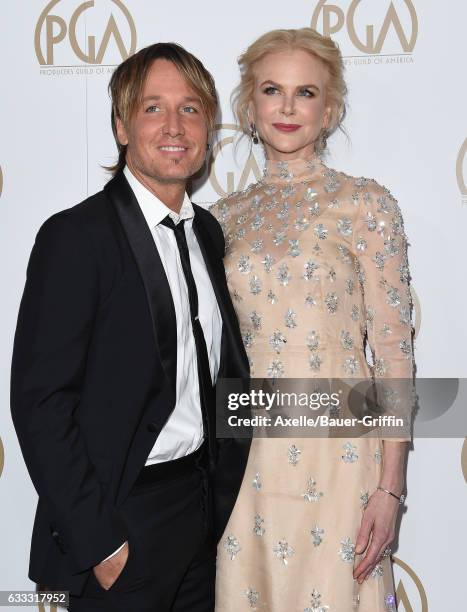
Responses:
[253,133]
[323,139]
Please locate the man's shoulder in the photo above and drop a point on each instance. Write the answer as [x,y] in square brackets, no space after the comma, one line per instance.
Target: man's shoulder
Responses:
[212,226]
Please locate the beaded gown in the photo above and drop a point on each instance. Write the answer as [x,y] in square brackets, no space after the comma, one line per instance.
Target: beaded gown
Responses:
[316,263]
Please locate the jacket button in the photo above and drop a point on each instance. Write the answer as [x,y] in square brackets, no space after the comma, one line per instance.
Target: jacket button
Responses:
[152,427]
[55,535]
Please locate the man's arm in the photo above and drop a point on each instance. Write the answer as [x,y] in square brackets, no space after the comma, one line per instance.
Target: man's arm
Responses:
[53,334]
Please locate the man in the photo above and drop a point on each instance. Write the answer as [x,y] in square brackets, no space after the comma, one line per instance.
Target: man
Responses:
[124,327]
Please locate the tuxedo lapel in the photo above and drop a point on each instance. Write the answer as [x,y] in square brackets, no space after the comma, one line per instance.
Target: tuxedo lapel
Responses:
[232,350]
[152,272]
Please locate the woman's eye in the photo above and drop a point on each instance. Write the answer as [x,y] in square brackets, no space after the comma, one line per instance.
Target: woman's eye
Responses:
[308,93]
[190,109]
[152,109]
[270,90]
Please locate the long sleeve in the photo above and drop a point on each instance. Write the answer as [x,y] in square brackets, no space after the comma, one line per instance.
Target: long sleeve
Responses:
[53,335]
[380,247]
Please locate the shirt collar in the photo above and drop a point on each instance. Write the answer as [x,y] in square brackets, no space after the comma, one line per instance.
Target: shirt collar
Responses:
[153,209]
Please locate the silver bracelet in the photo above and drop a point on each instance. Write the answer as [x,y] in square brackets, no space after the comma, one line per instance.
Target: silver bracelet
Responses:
[401,498]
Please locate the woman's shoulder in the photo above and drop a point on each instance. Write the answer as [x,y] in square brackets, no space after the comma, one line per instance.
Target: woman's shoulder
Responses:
[226,206]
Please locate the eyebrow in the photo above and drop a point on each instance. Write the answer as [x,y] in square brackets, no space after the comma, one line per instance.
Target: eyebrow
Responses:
[309,86]
[185,99]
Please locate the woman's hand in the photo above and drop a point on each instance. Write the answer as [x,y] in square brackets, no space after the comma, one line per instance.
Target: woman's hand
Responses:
[379,524]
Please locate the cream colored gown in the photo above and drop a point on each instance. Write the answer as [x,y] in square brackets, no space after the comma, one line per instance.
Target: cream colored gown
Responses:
[316,262]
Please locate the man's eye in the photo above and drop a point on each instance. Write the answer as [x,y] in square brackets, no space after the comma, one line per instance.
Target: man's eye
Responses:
[152,109]
[308,93]
[190,109]
[270,90]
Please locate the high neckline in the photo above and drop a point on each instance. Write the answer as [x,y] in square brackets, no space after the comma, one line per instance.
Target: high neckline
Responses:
[293,170]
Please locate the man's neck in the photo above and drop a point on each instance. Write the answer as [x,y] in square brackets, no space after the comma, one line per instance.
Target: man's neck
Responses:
[170,193]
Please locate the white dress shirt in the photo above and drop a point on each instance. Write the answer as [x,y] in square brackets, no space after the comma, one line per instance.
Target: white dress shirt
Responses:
[183,432]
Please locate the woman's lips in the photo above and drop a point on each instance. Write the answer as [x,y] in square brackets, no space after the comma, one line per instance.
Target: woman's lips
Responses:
[287,127]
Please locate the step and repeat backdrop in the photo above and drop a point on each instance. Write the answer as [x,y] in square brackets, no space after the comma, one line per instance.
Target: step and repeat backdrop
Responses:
[407,128]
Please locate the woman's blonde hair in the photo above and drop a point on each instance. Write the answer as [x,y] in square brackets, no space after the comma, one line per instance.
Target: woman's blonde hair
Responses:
[305,39]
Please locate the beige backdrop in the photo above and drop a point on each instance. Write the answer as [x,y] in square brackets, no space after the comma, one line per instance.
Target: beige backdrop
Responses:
[405,64]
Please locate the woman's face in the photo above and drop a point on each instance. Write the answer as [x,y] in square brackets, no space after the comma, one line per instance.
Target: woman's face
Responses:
[288,106]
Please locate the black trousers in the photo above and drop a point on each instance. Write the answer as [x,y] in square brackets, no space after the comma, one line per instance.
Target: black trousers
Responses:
[172,552]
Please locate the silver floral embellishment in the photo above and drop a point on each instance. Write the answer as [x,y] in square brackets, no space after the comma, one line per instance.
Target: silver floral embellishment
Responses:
[255,285]
[276,369]
[361,244]
[317,534]
[283,551]
[258,221]
[344,226]
[364,497]
[347,550]
[244,264]
[310,300]
[290,318]
[406,348]
[256,483]
[349,456]
[256,246]
[301,224]
[268,262]
[320,231]
[377,571]
[378,456]
[346,340]
[310,269]
[314,209]
[312,340]
[277,340]
[331,300]
[253,597]
[294,248]
[272,297]
[351,365]
[232,547]
[311,494]
[316,605]
[393,297]
[293,454]
[315,362]
[283,275]
[258,528]
[255,319]
[310,194]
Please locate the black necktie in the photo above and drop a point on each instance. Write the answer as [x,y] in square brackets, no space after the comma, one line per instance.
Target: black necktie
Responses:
[204,373]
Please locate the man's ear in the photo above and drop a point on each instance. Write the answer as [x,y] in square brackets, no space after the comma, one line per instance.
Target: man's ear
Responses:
[121,132]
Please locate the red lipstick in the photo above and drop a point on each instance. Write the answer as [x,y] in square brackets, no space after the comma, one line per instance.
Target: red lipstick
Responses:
[287,127]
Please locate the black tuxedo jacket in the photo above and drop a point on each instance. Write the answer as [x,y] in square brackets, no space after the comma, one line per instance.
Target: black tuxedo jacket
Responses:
[94,372]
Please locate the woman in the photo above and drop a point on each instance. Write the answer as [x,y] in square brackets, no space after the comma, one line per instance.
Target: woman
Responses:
[316,263]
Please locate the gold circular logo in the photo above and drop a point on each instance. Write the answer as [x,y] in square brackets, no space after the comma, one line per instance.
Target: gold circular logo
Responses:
[227,184]
[401,589]
[417,311]
[2,457]
[460,168]
[464,459]
[54,29]
[334,19]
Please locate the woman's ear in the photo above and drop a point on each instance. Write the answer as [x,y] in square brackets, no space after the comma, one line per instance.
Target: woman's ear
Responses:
[250,113]
[327,117]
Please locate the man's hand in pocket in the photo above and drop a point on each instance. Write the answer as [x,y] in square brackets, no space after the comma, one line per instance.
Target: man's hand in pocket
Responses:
[107,572]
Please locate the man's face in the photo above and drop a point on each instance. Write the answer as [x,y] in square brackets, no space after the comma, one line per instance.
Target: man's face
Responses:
[167,135]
